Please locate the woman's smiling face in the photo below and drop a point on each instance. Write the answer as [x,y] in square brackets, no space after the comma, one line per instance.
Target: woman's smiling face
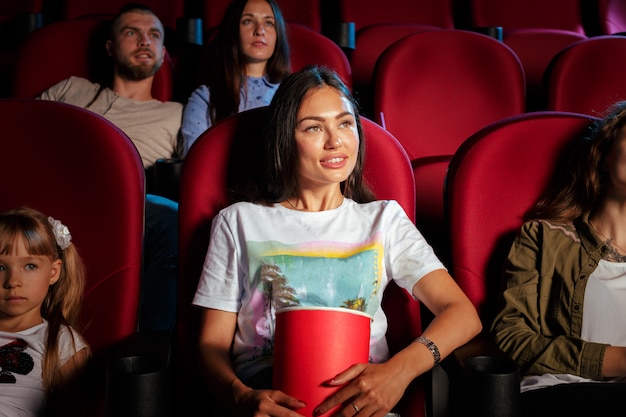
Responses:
[327,138]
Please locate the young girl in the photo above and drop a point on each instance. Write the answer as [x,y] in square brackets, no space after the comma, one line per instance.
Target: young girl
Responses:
[318,226]
[248,59]
[42,278]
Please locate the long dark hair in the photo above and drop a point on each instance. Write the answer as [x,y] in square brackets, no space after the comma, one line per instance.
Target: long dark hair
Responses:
[585,178]
[227,64]
[282,151]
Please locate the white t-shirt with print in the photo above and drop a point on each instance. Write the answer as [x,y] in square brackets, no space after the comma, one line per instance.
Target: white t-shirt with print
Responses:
[263,258]
[21,386]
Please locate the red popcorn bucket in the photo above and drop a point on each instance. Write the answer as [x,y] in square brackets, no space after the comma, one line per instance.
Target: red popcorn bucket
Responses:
[312,345]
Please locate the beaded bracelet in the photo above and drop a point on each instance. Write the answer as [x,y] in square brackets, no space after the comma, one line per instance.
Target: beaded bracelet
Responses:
[431,346]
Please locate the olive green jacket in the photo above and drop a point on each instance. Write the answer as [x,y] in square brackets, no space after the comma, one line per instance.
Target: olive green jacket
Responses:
[547,271]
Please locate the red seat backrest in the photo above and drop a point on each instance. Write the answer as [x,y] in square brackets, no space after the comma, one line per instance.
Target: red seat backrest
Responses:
[166,10]
[73,48]
[79,168]
[535,48]
[493,179]
[364,13]
[308,47]
[432,91]
[370,43]
[518,14]
[587,76]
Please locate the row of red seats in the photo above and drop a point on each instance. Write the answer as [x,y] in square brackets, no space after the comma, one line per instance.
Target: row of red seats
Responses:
[84,56]
[194,18]
[107,226]
[434,89]
[431,89]
[494,176]
[536,30]
[595,17]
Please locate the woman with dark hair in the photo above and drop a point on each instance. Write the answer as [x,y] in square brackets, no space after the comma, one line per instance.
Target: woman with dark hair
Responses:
[565,301]
[283,150]
[248,58]
[317,238]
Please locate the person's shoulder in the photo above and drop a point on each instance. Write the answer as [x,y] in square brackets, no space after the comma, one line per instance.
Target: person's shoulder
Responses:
[380,205]
[70,85]
[79,83]
[549,227]
[202,91]
[69,333]
[270,84]
[389,209]
[242,211]
[173,105]
[243,207]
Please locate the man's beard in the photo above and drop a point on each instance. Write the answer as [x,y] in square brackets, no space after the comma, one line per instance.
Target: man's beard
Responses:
[136,72]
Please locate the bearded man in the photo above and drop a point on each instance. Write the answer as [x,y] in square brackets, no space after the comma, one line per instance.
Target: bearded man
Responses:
[136,47]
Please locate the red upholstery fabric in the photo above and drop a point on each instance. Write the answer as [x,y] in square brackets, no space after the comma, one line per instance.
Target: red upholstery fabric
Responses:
[612,16]
[587,76]
[79,168]
[73,47]
[304,12]
[435,89]
[517,14]
[493,179]
[370,12]
[215,162]
[370,43]
[535,48]
[309,47]
[167,10]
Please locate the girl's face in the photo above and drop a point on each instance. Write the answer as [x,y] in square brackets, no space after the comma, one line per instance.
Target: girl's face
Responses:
[616,164]
[257,31]
[24,280]
[327,138]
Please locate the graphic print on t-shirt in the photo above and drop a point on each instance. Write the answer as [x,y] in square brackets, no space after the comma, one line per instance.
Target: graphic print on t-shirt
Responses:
[323,274]
[13,359]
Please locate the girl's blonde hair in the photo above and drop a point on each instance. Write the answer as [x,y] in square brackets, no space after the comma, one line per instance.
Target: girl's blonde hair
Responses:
[61,306]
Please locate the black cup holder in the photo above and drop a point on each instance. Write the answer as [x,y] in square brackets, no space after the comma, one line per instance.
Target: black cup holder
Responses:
[492,387]
[138,386]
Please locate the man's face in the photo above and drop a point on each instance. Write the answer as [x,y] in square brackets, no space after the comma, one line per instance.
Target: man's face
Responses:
[137,46]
